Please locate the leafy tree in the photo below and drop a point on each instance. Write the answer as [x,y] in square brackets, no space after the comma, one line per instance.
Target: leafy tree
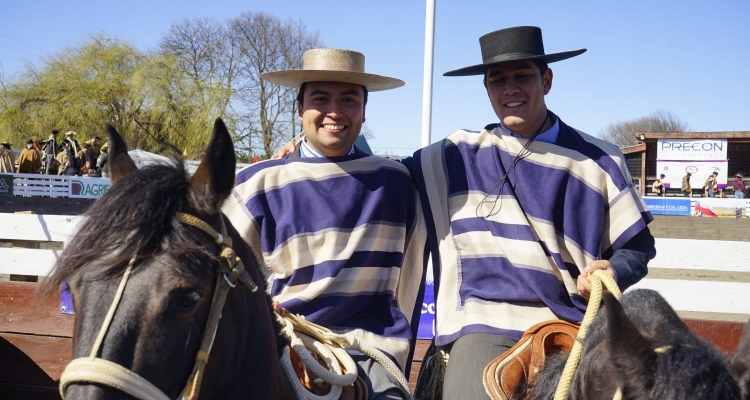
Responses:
[623,133]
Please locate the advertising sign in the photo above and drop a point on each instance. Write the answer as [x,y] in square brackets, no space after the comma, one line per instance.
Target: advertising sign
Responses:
[713,207]
[427,318]
[89,188]
[691,149]
[6,185]
[668,206]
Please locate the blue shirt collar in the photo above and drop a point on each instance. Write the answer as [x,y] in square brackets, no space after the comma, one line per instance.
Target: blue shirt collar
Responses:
[548,136]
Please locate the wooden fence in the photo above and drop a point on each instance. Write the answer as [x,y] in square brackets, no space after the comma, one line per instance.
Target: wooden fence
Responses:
[706,281]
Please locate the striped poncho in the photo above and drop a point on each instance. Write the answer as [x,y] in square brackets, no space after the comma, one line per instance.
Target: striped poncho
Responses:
[506,258]
[344,241]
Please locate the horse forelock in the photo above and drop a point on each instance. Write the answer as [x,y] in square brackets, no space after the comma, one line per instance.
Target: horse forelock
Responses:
[136,217]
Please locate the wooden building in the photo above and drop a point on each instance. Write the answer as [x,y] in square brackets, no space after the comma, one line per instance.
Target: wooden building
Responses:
[641,158]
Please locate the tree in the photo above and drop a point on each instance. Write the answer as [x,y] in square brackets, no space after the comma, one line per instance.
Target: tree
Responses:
[77,89]
[269,114]
[623,133]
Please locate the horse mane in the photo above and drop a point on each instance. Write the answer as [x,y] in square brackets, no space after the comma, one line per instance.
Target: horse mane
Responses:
[135,217]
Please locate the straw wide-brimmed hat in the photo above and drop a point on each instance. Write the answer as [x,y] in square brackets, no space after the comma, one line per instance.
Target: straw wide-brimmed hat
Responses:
[69,133]
[332,65]
[5,143]
[512,44]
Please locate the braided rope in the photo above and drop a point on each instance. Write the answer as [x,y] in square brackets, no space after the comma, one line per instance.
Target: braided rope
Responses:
[315,337]
[595,279]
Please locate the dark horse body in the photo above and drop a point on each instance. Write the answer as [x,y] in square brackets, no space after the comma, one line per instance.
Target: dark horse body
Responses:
[158,324]
[640,347]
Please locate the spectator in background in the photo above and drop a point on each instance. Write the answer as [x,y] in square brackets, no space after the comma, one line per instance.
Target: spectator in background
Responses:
[102,165]
[739,186]
[686,189]
[71,143]
[96,144]
[69,167]
[50,151]
[709,186]
[7,159]
[87,158]
[29,161]
[658,186]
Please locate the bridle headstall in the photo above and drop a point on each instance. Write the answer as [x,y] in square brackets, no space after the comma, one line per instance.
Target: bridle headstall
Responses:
[92,369]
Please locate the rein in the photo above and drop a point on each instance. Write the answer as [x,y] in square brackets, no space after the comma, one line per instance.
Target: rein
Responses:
[92,369]
[595,279]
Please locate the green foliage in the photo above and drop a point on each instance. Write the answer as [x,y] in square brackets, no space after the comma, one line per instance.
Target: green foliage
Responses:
[165,101]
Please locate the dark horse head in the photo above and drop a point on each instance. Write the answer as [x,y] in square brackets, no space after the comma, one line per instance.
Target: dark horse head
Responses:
[641,348]
[157,325]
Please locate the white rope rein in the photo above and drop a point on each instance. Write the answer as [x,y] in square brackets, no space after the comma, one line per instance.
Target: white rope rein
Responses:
[307,338]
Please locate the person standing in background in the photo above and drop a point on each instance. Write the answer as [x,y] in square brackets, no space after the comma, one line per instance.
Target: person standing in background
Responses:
[686,189]
[29,161]
[739,186]
[7,159]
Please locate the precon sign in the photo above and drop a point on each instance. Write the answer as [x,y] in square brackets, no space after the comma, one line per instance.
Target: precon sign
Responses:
[691,149]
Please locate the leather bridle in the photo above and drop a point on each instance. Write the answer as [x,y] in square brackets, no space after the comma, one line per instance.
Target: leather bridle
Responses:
[92,369]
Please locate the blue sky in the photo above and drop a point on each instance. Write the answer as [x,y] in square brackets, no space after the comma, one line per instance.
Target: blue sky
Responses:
[687,57]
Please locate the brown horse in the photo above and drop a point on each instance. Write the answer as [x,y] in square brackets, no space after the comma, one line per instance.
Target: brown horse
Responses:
[640,349]
[158,324]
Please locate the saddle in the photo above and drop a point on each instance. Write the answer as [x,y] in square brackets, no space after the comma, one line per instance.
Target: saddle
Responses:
[521,364]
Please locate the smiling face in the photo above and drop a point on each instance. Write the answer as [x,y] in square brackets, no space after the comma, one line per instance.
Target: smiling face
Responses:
[332,114]
[516,90]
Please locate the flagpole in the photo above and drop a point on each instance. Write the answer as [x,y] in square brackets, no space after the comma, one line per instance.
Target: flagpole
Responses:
[429,50]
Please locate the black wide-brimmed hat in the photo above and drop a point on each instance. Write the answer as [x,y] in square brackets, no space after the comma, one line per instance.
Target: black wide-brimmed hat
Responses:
[511,44]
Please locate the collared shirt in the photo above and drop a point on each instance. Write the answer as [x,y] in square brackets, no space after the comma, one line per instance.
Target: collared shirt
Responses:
[548,136]
[307,151]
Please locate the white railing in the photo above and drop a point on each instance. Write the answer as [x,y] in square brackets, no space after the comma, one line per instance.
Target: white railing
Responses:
[695,276]
[33,185]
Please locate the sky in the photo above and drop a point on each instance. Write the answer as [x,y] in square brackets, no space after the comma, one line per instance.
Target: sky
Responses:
[686,57]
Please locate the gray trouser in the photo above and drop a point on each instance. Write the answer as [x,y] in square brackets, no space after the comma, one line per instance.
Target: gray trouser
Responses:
[469,356]
[47,161]
[380,383]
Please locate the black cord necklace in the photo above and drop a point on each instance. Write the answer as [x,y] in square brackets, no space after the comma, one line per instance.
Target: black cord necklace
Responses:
[499,186]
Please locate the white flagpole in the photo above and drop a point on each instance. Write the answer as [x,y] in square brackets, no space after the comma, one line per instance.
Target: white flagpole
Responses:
[429,50]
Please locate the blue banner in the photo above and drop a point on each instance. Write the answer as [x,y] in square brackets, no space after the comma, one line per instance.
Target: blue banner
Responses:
[427,319]
[668,206]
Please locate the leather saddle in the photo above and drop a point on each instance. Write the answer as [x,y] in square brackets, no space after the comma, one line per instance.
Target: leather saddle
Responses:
[521,364]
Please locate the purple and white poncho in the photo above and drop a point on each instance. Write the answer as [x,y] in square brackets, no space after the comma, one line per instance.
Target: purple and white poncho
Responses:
[506,258]
[343,240]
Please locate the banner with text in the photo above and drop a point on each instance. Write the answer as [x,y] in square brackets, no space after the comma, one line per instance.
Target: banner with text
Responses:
[691,149]
[89,188]
[668,206]
[6,185]
[701,157]
[427,318]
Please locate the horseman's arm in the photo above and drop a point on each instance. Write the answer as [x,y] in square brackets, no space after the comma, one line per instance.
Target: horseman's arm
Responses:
[630,263]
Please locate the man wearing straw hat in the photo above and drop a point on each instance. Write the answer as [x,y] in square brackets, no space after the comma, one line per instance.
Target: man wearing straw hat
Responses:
[520,213]
[340,231]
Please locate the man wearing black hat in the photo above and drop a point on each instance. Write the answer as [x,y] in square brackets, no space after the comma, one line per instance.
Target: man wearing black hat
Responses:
[520,213]
[29,161]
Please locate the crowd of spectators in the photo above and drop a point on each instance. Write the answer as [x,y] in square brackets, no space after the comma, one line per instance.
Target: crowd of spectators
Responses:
[56,156]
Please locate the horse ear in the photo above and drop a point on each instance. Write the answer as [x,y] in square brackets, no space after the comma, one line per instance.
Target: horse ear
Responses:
[631,353]
[120,163]
[739,364]
[214,178]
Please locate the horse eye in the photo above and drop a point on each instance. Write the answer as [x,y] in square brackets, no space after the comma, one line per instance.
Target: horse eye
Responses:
[187,301]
